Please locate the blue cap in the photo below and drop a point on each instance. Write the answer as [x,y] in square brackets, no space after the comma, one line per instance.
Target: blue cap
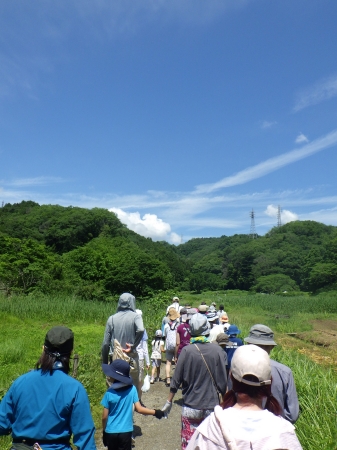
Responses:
[233,329]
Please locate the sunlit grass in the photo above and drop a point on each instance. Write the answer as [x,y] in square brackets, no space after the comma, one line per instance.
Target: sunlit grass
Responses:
[31,317]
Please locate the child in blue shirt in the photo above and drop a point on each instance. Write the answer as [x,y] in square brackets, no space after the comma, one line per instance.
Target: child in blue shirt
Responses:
[233,344]
[118,404]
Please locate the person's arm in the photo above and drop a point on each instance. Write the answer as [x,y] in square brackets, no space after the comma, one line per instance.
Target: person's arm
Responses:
[177,345]
[6,413]
[291,405]
[221,373]
[149,412]
[146,354]
[81,423]
[105,415]
[139,331]
[107,341]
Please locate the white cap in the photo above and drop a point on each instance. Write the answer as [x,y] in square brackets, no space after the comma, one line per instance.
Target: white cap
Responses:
[251,360]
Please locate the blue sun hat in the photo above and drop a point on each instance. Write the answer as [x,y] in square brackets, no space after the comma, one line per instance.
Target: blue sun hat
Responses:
[118,370]
[233,329]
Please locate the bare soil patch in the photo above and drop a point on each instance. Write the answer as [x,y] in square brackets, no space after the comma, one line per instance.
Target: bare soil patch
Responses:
[319,344]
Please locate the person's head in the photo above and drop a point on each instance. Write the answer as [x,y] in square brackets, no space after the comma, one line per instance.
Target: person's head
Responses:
[221,307]
[262,336]
[173,314]
[158,334]
[223,318]
[251,378]
[175,299]
[126,301]
[222,339]
[118,370]
[57,348]
[233,330]
[183,314]
[199,325]
[203,308]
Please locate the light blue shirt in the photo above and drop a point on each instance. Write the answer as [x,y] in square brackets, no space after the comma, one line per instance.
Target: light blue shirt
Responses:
[48,407]
[120,403]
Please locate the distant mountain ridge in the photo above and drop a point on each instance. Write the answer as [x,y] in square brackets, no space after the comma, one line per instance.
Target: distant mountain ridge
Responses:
[89,252]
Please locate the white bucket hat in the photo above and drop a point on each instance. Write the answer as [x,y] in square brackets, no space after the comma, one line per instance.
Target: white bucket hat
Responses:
[251,360]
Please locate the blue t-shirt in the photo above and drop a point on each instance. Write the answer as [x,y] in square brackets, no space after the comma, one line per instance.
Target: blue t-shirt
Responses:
[230,348]
[48,407]
[120,403]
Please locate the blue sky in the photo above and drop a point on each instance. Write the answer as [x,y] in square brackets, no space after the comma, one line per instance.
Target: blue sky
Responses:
[180,116]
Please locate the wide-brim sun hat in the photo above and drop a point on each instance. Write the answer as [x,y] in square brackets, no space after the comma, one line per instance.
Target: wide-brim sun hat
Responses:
[199,325]
[251,360]
[175,299]
[118,370]
[203,308]
[260,335]
[224,317]
[211,316]
[233,329]
[173,314]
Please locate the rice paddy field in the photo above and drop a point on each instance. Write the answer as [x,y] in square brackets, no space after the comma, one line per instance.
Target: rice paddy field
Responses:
[305,329]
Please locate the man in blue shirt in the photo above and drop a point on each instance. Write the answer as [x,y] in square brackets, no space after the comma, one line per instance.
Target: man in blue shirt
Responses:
[46,405]
[283,385]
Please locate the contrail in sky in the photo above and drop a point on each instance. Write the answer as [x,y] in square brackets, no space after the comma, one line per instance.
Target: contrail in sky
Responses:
[270,165]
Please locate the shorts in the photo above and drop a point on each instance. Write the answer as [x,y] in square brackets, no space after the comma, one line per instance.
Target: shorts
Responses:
[134,371]
[169,355]
[156,362]
[141,369]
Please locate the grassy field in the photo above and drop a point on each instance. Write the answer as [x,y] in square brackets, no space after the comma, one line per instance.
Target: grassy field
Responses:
[24,322]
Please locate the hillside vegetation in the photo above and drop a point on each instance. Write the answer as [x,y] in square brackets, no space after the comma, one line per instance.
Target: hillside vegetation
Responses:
[91,254]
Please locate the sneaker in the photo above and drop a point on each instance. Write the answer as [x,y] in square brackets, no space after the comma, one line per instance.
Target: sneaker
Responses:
[152,380]
[157,379]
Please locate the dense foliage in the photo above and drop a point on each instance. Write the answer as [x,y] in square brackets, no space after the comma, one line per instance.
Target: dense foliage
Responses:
[90,253]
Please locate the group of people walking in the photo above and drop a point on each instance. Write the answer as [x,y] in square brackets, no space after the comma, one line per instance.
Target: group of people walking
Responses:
[234,396]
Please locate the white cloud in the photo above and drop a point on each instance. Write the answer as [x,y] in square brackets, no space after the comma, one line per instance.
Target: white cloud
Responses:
[301,138]
[319,92]
[267,124]
[36,181]
[286,216]
[148,226]
[270,165]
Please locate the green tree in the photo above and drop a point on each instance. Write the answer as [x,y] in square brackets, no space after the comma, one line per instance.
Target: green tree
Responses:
[274,283]
[26,265]
[323,275]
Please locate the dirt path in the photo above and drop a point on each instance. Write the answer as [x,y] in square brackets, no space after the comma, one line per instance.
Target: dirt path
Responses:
[151,433]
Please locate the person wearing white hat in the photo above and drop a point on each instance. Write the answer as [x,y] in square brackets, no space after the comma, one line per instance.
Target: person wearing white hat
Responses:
[175,304]
[249,416]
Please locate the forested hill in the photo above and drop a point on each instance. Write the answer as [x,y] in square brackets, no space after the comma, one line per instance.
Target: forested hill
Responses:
[89,252]
[300,255]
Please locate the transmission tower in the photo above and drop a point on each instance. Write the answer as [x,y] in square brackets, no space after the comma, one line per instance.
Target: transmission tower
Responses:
[252,225]
[279,223]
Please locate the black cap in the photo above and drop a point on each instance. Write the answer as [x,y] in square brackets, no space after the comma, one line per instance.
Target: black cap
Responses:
[59,340]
